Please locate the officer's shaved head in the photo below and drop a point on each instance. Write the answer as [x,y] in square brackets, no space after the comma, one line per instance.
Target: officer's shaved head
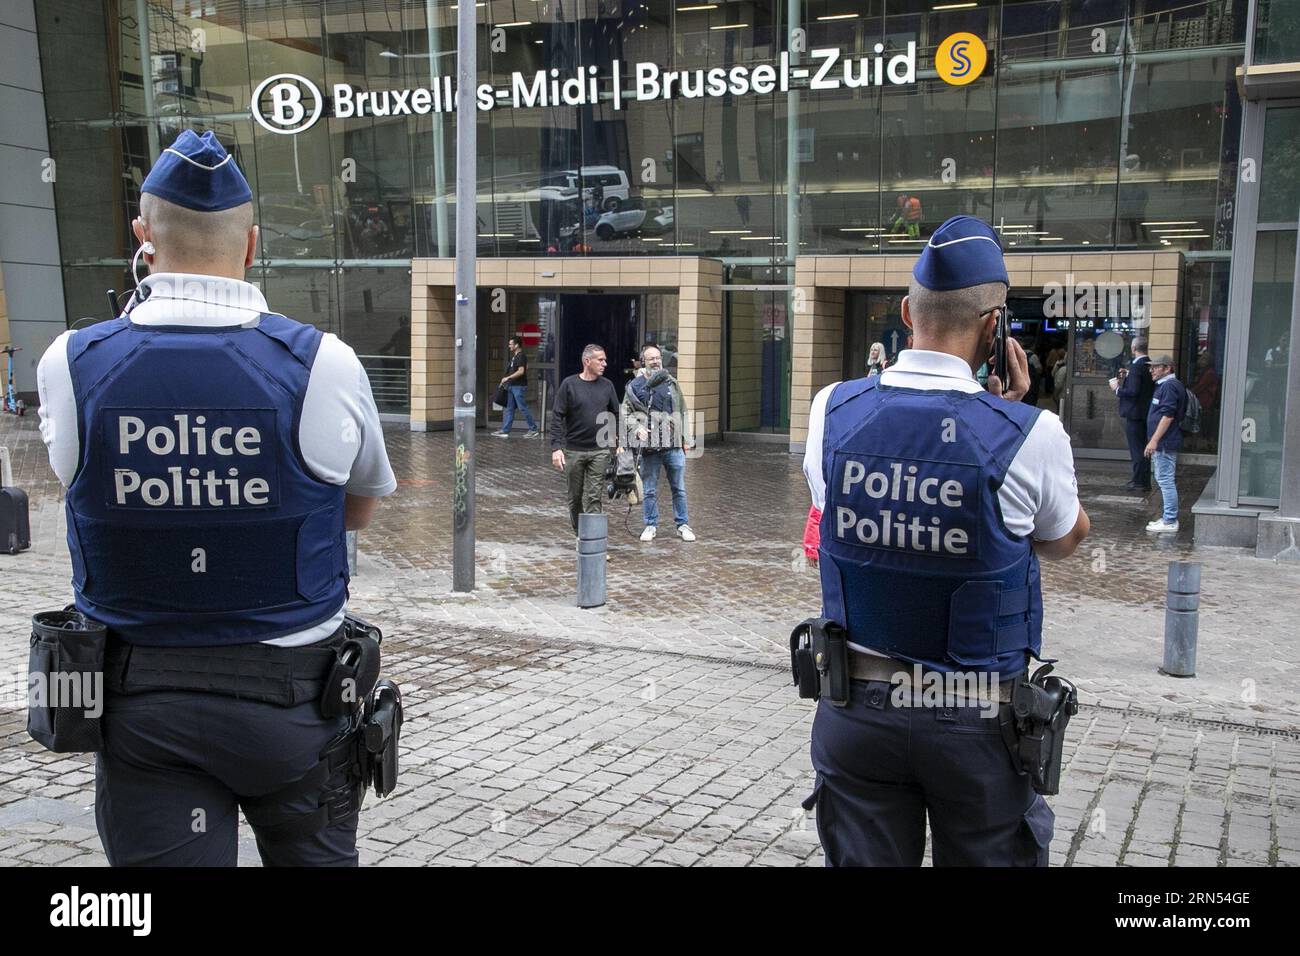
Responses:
[955,312]
[187,240]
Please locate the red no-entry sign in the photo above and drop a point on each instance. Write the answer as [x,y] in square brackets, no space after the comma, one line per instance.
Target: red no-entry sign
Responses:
[531,333]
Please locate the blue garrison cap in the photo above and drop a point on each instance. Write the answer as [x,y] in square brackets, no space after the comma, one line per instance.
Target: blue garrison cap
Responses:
[196,172]
[963,252]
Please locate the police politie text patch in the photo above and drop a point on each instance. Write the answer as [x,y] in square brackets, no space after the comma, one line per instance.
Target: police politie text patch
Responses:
[905,504]
[191,459]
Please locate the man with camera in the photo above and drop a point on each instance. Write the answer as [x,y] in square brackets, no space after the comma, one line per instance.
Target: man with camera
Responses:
[937,500]
[657,416]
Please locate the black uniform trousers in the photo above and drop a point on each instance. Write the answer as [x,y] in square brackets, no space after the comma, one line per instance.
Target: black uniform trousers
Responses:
[1135,433]
[882,769]
[176,765]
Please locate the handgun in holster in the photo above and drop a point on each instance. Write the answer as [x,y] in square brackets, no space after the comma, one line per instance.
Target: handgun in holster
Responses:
[1034,726]
[819,660]
[355,670]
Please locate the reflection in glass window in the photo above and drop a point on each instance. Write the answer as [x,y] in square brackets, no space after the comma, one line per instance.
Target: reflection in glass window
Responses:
[1057,135]
[1204,338]
[1279,187]
[1277,31]
[1268,345]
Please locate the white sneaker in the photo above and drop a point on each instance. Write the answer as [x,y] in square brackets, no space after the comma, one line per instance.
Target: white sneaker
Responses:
[685,532]
[1160,527]
[649,533]
[534,434]
[500,434]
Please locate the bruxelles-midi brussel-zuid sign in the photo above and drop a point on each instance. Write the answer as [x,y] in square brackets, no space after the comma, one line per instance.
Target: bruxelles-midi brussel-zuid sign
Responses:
[288,103]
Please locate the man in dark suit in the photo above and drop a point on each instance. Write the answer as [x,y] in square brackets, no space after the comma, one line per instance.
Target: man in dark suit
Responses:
[1134,387]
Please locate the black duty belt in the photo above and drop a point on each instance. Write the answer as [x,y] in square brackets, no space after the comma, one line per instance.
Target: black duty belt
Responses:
[285,676]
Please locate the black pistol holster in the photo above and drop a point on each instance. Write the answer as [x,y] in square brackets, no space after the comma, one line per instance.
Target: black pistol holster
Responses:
[819,660]
[364,752]
[1033,727]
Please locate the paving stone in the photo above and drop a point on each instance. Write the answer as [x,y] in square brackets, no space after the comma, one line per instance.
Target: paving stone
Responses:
[661,729]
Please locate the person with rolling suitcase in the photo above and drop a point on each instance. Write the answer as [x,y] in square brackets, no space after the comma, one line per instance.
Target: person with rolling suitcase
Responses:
[15,528]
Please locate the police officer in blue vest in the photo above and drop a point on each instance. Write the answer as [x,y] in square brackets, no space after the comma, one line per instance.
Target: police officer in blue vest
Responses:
[938,497]
[214,452]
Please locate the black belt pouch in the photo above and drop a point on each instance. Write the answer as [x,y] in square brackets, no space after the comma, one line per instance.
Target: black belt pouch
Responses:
[65,682]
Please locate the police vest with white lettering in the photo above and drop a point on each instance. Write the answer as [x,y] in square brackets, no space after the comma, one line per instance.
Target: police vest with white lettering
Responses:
[915,559]
[193,518]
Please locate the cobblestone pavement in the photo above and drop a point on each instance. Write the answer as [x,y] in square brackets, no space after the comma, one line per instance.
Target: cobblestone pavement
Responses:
[661,728]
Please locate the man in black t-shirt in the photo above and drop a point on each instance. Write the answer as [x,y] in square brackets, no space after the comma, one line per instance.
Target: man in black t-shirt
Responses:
[516,380]
[584,432]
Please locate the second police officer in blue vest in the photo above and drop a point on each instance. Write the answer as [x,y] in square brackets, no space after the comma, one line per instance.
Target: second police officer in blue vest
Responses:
[214,453]
[938,497]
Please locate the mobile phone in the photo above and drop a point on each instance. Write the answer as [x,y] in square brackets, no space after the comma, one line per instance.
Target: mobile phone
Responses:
[999,356]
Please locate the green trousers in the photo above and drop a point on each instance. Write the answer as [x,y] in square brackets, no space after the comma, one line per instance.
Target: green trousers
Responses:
[586,473]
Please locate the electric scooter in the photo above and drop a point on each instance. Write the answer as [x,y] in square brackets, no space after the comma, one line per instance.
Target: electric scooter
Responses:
[11,402]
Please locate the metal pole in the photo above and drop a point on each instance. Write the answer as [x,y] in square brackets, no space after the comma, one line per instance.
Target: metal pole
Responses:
[465,405]
[439,159]
[1182,604]
[593,548]
[792,147]
[146,79]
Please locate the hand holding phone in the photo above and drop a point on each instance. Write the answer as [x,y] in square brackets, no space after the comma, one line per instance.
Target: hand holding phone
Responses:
[1017,368]
[998,360]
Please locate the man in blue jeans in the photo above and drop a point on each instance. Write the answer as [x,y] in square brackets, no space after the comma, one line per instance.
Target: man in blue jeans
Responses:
[654,395]
[1165,437]
[516,380]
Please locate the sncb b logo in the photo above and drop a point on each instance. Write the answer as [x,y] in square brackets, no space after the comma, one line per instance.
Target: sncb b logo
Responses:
[960,59]
[286,103]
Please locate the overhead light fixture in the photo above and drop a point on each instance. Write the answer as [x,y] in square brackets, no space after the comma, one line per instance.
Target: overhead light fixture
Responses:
[530,240]
[840,16]
[756,238]
[517,23]
[730,26]
[700,6]
[495,235]
[651,239]
[1052,239]
[728,232]
[955,6]
[861,229]
[1173,222]
[539,41]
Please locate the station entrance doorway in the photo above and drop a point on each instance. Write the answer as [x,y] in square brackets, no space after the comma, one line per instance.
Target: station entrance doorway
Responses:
[1090,350]
[557,326]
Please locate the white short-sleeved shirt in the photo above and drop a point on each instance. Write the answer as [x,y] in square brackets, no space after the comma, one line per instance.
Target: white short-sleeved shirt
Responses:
[1038,497]
[338,391]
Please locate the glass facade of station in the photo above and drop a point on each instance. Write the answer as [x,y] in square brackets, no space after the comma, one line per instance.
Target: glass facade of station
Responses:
[1098,125]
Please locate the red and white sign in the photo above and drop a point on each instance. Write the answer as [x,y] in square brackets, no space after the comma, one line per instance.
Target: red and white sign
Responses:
[531,333]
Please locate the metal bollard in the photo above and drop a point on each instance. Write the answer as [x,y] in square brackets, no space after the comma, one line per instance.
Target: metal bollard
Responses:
[593,543]
[1182,603]
[352,553]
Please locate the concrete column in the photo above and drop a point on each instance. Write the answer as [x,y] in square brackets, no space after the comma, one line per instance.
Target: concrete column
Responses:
[699,337]
[433,325]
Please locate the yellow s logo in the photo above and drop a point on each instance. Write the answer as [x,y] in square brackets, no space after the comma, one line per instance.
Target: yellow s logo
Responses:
[960,59]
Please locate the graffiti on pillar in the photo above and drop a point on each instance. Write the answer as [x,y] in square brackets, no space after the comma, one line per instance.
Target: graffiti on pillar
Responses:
[460,488]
